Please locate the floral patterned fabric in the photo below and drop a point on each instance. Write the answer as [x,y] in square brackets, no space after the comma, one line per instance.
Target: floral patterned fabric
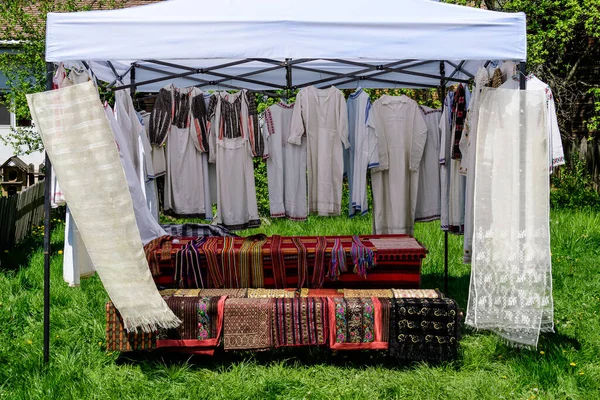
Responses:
[355,324]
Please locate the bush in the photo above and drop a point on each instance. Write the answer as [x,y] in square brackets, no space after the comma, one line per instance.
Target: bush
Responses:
[572,187]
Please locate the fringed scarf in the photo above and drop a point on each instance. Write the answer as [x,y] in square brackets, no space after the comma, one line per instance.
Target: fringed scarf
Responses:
[150,250]
[300,321]
[363,258]
[355,324]
[277,262]
[319,268]
[251,261]
[188,271]
[424,329]
[229,262]
[337,265]
[215,275]
[302,262]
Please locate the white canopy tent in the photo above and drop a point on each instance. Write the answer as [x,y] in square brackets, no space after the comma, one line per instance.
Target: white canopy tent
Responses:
[268,45]
[382,43]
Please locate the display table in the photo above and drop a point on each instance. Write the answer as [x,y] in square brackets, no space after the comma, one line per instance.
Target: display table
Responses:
[398,261]
[412,324]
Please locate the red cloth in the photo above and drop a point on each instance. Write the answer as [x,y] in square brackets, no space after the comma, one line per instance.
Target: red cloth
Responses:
[398,262]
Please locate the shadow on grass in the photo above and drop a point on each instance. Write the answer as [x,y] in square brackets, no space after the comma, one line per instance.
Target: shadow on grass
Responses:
[295,357]
[18,256]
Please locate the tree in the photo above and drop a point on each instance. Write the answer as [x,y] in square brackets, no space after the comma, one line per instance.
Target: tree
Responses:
[23,24]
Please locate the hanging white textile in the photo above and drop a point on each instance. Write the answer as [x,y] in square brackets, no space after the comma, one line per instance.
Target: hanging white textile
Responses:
[556,156]
[468,146]
[511,276]
[428,195]
[76,133]
[362,154]
[286,165]
[76,260]
[148,226]
[184,183]
[231,149]
[452,184]
[322,115]
[132,126]
[401,132]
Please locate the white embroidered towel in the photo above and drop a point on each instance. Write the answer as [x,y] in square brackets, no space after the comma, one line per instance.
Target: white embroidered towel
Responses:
[82,148]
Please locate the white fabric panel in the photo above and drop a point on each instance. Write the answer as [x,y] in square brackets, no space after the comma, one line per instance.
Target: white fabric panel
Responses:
[511,275]
[76,132]
[239,29]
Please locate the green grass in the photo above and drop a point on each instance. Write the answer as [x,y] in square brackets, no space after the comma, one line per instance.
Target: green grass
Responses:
[80,368]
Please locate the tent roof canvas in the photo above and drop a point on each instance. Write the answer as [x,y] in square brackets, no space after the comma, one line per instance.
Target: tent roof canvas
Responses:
[252,36]
[240,29]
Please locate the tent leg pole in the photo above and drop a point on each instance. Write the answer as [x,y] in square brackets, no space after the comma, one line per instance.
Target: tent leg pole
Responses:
[47,232]
[443,97]
[446,263]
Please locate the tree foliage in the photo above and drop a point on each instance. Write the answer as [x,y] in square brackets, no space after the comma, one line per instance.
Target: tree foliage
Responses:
[563,37]
[24,25]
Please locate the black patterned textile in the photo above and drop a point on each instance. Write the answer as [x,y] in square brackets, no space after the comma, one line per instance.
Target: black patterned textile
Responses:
[161,117]
[197,230]
[424,329]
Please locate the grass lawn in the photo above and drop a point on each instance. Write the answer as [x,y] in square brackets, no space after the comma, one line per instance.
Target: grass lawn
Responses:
[565,365]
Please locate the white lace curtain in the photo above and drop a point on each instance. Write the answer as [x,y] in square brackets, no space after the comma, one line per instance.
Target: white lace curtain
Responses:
[511,277]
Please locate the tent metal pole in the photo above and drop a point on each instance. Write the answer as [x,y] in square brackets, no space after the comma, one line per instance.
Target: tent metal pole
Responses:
[47,231]
[443,94]
[522,75]
[204,82]
[288,78]
[132,78]
[337,75]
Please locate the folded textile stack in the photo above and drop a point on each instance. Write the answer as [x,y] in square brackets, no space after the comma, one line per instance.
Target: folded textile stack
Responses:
[424,326]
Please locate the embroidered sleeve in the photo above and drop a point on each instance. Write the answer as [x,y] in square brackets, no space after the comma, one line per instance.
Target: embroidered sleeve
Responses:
[161,118]
[199,122]
[256,139]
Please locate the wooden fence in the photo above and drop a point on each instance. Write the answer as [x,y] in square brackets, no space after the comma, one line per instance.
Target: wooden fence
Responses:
[19,213]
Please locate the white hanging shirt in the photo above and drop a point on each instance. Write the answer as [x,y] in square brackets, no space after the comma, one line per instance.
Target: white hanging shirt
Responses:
[470,135]
[286,165]
[322,115]
[184,183]
[363,152]
[555,147]
[148,227]
[428,195]
[401,132]
[236,192]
